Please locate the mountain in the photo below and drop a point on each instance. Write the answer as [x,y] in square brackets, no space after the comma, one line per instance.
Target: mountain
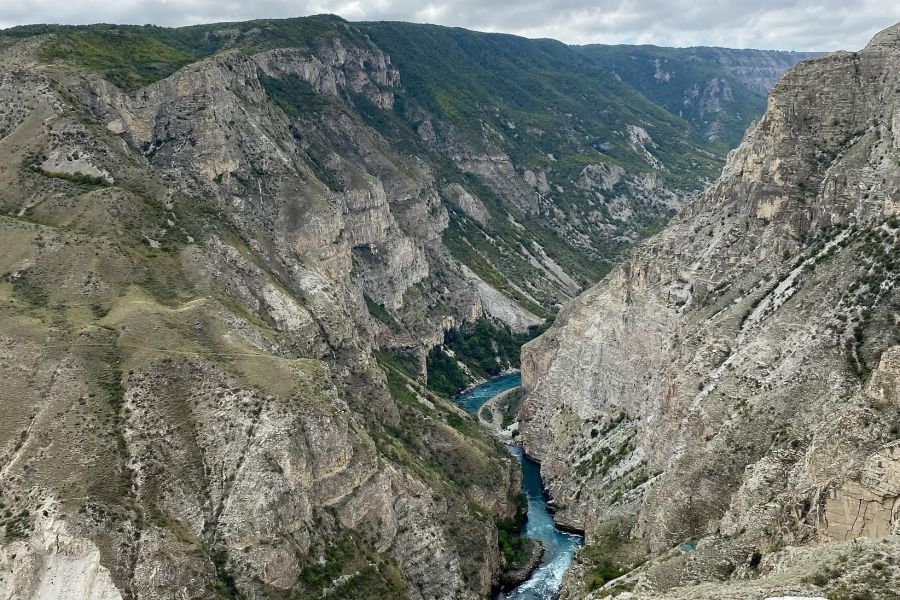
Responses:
[246,264]
[721,413]
[720,91]
[576,164]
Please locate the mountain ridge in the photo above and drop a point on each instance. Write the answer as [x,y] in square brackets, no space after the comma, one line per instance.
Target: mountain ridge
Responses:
[713,413]
[578,202]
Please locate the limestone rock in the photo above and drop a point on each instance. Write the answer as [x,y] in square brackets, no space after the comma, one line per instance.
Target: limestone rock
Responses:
[716,384]
[53,563]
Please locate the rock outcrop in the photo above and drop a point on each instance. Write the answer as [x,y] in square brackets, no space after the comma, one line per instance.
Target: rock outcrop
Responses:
[719,90]
[731,386]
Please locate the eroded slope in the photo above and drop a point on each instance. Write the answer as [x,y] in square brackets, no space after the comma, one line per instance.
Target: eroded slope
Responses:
[191,405]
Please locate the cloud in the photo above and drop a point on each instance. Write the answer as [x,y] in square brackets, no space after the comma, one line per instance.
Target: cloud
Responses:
[781,24]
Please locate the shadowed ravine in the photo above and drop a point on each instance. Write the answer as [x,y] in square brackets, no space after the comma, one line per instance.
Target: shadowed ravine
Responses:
[559,546]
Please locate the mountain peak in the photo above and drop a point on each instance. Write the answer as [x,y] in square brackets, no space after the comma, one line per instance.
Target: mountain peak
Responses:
[888,38]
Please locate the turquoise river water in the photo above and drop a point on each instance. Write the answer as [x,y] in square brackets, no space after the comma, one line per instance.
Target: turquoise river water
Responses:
[559,546]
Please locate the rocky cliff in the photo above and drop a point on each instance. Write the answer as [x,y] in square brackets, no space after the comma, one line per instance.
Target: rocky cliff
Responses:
[721,408]
[543,164]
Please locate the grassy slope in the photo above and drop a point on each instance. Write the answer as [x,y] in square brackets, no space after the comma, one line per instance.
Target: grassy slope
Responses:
[132,56]
[463,75]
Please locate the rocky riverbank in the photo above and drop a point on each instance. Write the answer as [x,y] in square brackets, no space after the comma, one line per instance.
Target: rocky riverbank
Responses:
[515,574]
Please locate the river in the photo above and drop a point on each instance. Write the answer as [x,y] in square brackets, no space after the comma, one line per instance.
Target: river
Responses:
[559,546]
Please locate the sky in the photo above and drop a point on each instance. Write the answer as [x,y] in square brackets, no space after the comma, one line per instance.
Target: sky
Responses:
[821,25]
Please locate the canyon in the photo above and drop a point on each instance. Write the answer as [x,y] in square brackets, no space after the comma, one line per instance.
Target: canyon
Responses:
[246,267]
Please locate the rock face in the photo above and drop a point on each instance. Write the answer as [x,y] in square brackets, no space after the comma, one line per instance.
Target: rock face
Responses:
[54,564]
[868,507]
[535,194]
[759,70]
[733,383]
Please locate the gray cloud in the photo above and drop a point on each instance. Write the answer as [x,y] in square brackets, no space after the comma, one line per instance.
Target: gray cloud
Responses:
[782,24]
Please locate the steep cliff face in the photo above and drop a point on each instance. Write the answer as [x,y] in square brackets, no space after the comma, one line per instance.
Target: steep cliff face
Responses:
[732,384]
[513,115]
[758,70]
[462,177]
[563,162]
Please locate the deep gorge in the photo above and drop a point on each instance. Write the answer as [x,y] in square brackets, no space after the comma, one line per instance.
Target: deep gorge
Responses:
[247,267]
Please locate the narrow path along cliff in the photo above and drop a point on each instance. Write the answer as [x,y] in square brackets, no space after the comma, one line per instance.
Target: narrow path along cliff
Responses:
[558,546]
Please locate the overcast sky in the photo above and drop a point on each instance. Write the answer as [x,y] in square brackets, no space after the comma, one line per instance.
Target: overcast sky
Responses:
[781,24]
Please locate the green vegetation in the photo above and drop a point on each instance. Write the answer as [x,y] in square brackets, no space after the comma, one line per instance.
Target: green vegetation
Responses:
[823,576]
[616,589]
[465,248]
[133,56]
[515,548]
[293,95]
[30,286]
[512,402]
[492,250]
[16,527]
[449,451]
[129,57]
[224,585]
[601,558]
[380,312]
[360,569]
[548,107]
[470,78]
[76,178]
[399,387]
[611,424]
[439,443]
[671,77]
[486,350]
[445,377]
[404,362]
